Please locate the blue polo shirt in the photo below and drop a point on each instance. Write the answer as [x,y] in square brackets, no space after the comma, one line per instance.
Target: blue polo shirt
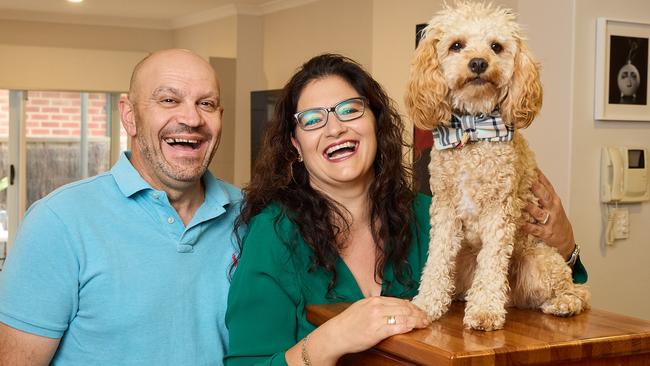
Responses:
[107,265]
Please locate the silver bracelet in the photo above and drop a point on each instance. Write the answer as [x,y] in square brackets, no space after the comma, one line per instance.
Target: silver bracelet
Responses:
[574,256]
[305,355]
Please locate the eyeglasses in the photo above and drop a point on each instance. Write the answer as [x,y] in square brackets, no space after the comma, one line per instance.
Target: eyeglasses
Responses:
[315,118]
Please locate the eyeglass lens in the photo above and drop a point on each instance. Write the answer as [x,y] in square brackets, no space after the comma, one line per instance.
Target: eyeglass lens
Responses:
[346,110]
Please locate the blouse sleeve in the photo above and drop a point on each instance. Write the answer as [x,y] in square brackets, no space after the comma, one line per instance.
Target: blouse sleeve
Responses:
[579,272]
[263,298]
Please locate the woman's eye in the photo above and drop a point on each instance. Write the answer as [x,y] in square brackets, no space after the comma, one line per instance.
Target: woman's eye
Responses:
[456,46]
[311,121]
[496,47]
[347,110]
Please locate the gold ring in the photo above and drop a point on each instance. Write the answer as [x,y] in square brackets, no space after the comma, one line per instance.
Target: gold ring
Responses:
[548,214]
[390,320]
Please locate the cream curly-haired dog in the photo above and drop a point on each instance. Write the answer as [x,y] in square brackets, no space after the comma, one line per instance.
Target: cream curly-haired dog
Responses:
[474,83]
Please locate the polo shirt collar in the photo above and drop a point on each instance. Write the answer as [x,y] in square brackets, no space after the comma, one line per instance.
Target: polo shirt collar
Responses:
[128,179]
[130,182]
[216,195]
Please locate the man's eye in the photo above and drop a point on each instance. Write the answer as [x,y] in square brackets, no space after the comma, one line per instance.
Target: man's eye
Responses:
[208,104]
[168,101]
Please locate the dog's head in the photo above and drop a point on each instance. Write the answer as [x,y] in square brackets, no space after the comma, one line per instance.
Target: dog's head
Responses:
[471,59]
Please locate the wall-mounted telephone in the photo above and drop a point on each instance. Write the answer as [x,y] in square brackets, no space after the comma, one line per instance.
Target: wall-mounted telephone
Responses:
[624,174]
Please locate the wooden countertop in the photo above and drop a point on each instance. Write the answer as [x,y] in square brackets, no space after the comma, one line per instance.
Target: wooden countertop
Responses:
[594,338]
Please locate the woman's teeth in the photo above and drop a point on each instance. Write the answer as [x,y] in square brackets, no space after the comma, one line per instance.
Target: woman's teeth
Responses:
[341,150]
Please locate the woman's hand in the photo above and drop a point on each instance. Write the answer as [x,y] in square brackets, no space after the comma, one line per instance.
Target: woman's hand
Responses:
[369,321]
[361,326]
[552,225]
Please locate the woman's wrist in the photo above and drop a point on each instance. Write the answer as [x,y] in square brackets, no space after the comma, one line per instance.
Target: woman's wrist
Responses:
[573,257]
[325,340]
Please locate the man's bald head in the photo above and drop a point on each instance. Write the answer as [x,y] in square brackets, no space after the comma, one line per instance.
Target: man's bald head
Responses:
[181,59]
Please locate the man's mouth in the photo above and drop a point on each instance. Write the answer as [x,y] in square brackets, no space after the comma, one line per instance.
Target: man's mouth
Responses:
[183,143]
[341,150]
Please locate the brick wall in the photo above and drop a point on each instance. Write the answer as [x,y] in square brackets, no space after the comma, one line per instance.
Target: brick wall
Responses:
[57,114]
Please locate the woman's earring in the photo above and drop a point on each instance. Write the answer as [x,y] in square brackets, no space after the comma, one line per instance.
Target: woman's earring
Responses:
[299,157]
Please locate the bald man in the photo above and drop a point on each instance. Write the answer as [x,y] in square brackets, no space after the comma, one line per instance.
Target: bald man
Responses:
[130,267]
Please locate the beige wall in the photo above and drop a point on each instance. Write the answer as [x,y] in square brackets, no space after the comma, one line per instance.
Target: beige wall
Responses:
[293,36]
[619,275]
[40,34]
[250,76]
[217,38]
[45,68]
[223,162]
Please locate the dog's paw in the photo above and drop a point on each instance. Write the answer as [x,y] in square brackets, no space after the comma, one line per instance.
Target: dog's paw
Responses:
[484,320]
[566,304]
[435,309]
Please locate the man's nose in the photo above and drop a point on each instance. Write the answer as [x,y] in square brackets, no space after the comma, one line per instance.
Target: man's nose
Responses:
[190,115]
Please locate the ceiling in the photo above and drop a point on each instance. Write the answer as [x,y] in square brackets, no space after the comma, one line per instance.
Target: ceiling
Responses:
[145,13]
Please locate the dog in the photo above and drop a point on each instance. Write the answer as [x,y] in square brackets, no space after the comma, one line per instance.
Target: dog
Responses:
[474,83]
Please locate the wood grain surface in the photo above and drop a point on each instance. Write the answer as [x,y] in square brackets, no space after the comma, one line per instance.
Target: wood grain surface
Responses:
[595,337]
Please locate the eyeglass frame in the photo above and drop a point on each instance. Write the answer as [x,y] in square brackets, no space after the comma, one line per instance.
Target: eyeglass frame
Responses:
[332,109]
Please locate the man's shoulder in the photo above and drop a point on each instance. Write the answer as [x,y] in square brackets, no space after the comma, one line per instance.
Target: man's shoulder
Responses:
[81,188]
[76,193]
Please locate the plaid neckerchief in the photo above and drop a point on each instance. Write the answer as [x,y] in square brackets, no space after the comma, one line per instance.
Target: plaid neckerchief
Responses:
[467,128]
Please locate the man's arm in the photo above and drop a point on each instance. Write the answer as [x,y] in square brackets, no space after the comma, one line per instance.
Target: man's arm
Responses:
[18,348]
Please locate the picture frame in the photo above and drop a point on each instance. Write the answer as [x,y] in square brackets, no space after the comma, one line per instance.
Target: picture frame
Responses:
[621,82]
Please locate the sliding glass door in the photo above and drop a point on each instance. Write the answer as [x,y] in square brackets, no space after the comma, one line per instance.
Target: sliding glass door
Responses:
[48,139]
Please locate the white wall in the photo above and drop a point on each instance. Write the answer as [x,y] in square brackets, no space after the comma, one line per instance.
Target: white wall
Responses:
[620,274]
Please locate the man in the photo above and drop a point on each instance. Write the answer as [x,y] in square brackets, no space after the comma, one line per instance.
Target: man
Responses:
[131,267]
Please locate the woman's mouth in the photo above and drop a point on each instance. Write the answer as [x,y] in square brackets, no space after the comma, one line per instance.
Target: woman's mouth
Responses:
[341,150]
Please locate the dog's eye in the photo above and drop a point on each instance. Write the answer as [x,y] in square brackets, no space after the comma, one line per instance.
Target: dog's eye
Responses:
[496,47]
[456,46]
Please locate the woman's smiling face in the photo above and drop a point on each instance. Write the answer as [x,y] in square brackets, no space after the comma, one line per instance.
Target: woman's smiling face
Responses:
[339,153]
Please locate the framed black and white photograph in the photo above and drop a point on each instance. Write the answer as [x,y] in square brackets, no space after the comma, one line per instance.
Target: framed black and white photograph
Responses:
[622,71]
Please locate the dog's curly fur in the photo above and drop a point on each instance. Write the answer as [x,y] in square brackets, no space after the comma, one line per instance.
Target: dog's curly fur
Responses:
[478,251]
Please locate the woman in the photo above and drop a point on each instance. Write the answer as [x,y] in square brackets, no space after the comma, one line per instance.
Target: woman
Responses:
[331,217]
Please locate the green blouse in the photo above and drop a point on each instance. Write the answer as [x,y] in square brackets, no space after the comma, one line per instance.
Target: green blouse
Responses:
[272,285]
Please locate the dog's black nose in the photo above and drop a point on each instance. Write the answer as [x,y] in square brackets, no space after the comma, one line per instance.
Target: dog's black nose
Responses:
[478,65]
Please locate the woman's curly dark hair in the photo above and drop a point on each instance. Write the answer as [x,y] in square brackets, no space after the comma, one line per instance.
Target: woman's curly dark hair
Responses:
[279,178]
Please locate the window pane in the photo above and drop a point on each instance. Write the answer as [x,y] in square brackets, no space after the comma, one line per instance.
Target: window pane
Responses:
[56,148]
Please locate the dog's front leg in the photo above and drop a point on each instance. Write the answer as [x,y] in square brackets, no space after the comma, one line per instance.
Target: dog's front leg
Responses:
[487,297]
[437,282]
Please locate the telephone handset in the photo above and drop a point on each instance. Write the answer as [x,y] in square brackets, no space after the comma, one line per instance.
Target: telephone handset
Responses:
[624,174]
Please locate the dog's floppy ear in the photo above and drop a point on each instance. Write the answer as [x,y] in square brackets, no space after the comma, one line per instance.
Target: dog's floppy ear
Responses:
[524,98]
[426,93]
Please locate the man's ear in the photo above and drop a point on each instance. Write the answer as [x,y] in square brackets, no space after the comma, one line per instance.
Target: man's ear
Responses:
[127,115]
